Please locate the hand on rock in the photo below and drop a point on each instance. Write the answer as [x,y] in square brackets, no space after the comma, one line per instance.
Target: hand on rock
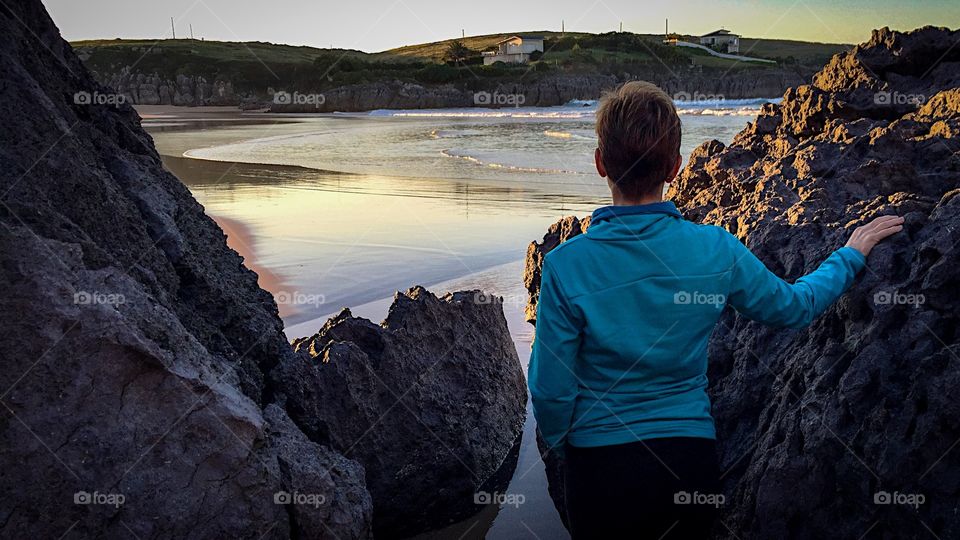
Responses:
[866,236]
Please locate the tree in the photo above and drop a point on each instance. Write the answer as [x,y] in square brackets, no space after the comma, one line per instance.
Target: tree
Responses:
[457,52]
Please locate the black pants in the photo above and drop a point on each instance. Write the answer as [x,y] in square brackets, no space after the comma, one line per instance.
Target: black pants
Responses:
[658,488]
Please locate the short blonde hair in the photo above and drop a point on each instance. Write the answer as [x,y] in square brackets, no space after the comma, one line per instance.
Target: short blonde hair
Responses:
[638,131]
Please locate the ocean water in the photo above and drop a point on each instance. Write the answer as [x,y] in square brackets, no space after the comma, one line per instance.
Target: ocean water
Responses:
[342,210]
[544,148]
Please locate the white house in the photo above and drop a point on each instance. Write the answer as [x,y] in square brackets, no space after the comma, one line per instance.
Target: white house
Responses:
[724,40]
[514,49]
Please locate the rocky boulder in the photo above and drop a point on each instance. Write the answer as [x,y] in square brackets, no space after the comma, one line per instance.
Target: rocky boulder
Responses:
[846,428]
[135,341]
[436,400]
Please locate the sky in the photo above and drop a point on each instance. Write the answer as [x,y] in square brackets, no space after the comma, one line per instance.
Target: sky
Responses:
[376,25]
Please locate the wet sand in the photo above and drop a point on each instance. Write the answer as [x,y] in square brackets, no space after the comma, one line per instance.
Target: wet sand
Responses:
[242,240]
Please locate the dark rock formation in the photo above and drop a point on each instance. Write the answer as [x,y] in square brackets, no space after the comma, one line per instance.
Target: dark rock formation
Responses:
[560,231]
[142,368]
[832,430]
[323,492]
[134,342]
[435,397]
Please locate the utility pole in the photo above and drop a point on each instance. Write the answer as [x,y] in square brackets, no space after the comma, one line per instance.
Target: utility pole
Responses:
[621,27]
[191,31]
[463,33]
[173,28]
[563,28]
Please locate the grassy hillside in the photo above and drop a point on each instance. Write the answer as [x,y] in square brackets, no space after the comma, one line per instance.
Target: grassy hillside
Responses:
[252,66]
[810,53]
[436,50]
[255,67]
[215,50]
[807,53]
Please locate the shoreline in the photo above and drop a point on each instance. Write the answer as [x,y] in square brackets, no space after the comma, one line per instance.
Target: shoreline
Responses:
[172,112]
[240,238]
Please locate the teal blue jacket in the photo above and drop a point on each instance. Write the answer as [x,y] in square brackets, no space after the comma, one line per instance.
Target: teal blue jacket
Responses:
[624,316]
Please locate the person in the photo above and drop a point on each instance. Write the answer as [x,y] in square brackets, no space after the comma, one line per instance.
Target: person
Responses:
[618,369]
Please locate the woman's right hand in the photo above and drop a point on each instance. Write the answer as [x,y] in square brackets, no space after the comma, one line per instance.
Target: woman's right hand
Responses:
[866,236]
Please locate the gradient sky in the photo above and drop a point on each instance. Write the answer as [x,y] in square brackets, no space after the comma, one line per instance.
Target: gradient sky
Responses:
[375,25]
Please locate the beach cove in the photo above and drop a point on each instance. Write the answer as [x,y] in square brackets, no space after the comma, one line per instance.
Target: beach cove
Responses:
[337,211]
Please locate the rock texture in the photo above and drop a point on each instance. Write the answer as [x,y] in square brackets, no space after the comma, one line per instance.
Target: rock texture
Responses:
[144,89]
[147,385]
[436,400]
[542,92]
[135,342]
[151,88]
[831,431]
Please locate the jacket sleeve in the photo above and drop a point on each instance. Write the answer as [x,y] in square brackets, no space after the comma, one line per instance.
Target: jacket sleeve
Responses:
[759,294]
[553,384]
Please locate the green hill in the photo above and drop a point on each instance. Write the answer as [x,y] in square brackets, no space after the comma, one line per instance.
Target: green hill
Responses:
[574,50]
[254,69]
[436,49]
[806,53]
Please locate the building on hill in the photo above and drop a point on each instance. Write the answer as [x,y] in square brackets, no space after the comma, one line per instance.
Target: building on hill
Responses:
[722,40]
[514,49]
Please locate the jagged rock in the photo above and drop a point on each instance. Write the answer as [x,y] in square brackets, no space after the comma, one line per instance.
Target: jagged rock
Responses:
[324,492]
[135,341]
[820,428]
[560,231]
[435,397]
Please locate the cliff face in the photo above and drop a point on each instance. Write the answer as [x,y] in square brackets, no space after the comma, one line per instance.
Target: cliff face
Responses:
[845,428]
[154,89]
[141,367]
[549,91]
